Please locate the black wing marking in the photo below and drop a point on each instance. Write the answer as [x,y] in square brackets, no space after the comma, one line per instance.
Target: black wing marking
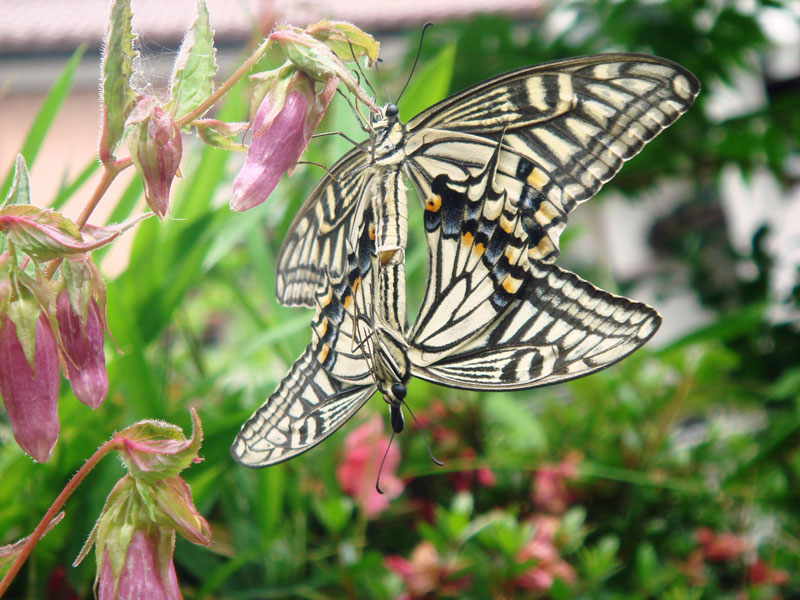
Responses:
[492,318]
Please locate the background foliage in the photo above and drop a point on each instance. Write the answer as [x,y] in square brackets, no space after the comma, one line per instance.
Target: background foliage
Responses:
[673,474]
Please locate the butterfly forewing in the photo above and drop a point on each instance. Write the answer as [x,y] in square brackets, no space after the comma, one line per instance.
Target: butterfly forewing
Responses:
[571,125]
[317,237]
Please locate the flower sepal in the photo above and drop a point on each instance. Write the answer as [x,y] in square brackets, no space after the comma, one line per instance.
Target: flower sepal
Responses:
[314,58]
[346,40]
[153,450]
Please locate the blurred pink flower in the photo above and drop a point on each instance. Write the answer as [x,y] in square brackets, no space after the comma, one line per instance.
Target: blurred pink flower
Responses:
[147,573]
[425,572]
[357,473]
[550,492]
[548,565]
[282,127]
[720,547]
[760,573]
[462,480]
[86,363]
[30,395]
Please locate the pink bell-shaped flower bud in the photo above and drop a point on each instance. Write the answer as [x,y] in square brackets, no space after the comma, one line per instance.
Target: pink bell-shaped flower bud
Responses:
[147,570]
[282,127]
[134,537]
[30,388]
[83,343]
[154,141]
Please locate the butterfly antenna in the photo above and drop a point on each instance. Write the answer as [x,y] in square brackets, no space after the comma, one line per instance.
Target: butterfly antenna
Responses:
[380,469]
[424,437]
[416,60]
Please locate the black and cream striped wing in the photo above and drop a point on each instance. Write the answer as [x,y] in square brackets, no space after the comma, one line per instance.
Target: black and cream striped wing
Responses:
[492,318]
[569,124]
[317,238]
[324,388]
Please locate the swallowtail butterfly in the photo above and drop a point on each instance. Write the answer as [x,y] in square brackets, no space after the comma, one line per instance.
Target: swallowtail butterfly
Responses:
[499,166]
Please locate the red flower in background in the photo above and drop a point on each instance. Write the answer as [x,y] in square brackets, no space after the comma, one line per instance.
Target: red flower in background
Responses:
[548,565]
[425,572]
[720,547]
[357,474]
[550,491]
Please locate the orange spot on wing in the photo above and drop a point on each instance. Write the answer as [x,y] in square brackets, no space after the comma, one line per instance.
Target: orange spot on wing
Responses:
[433,203]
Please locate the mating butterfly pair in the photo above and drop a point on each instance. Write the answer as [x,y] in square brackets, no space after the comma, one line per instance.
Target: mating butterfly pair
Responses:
[499,166]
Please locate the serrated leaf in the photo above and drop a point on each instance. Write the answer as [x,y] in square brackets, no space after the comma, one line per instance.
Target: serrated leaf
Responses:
[20,191]
[192,78]
[117,68]
[45,234]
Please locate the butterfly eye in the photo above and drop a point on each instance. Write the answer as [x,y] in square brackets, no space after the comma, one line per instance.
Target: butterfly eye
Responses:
[392,110]
[398,391]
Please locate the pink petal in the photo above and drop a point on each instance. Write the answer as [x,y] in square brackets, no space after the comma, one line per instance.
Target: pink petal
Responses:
[271,152]
[86,363]
[140,578]
[30,398]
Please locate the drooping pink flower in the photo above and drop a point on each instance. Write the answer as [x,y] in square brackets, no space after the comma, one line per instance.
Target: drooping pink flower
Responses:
[548,564]
[550,492]
[30,395]
[282,127]
[156,148]
[147,573]
[425,572]
[85,360]
[357,474]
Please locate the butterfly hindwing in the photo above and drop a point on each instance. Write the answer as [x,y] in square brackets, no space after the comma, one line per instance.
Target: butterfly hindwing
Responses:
[324,388]
[493,319]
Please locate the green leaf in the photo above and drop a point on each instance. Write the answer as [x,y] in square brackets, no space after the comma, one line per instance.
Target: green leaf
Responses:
[521,430]
[47,113]
[192,78]
[20,192]
[117,68]
[430,84]
[67,189]
[333,512]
